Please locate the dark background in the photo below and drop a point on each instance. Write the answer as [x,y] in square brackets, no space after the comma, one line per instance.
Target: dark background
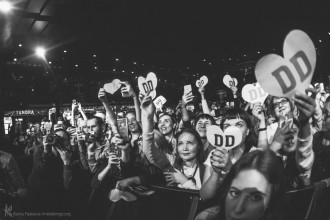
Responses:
[178,40]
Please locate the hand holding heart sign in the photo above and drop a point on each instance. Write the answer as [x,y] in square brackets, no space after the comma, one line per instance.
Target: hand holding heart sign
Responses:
[148,84]
[159,102]
[284,76]
[229,82]
[228,139]
[202,82]
[113,86]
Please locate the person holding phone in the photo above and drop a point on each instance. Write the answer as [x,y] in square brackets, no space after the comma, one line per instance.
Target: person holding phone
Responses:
[293,141]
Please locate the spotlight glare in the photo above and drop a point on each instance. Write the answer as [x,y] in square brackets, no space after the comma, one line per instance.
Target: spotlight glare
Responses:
[5,6]
[20,45]
[40,52]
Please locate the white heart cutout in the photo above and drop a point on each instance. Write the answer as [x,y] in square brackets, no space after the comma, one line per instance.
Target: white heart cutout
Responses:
[113,86]
[160,101]
[228,139]
[228,81]
[254,94]
[115,195]
[148,84]
[282,77]
[202,82]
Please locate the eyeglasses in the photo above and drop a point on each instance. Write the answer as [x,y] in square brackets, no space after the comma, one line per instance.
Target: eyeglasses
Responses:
[283,102]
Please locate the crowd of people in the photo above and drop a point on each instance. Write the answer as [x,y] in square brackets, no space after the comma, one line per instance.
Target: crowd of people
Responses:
[74,165]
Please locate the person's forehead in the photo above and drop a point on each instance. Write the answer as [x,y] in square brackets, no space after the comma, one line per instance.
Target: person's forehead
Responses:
[278,99]
[248,179]
[165,117]
[92,121]
[186,136]
[203,120]
[130,115]
[233,120]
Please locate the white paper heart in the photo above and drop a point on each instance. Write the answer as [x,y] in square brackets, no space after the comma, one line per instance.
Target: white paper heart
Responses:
[160,101]
[113,86]
[115,195]
[254,94]
[230,139]
[229,82]
[284,76]
[148,84]
[202,82]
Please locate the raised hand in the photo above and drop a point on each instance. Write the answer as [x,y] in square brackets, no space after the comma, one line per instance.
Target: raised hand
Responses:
[186,98]
[128,89]
[258,112]
[102,95]
[113,159]
[147,105]
[220,160]
[305,104]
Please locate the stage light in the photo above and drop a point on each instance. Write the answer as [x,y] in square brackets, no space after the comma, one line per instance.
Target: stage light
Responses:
[40,52]
[5,6]
[76,65]
[64,51]
[20,45]
[50,62]
[15,59]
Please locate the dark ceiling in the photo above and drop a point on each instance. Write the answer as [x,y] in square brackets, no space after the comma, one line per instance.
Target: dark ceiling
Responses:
[183,37]
[163,33]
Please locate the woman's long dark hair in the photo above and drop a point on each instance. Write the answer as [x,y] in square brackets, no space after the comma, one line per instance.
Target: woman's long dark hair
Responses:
[178,163]
[267,163]
[234,113]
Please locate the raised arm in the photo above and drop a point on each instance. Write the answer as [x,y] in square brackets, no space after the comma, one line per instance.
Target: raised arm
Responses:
[81,111]
[206,109]
[103,98]
[186,98]
[259,113]
[154,154]
[304,153]
[128,89]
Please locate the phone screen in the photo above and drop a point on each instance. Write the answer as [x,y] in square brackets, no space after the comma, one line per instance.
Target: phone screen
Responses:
[123,128]
[187,89]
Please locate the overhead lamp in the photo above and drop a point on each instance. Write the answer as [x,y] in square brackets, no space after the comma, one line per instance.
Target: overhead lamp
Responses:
[5,6]
[40,52]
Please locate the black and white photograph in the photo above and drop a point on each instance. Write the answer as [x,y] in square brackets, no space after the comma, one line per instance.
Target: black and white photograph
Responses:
[164,110]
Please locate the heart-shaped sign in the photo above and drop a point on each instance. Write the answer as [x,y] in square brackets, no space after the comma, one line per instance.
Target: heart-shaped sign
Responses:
[113,86]
[284,76]
[116,195]
[254,94]
[159,101]
[228,139]
[148,84]
[229,82]
[202,81]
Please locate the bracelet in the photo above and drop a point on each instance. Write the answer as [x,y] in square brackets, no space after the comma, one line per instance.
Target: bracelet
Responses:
[262,129]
